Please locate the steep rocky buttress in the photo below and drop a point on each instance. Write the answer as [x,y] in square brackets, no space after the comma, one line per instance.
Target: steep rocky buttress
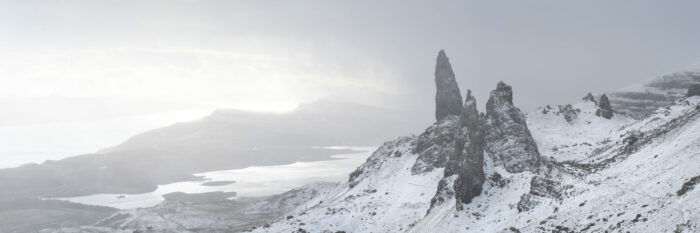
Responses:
[508,140]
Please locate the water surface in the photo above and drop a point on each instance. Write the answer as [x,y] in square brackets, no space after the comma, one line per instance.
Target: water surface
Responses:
[249,182]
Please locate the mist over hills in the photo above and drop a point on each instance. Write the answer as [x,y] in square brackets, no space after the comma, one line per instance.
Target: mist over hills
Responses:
[227,139]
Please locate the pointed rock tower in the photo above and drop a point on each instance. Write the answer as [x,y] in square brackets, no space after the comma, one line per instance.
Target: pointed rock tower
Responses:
[437,143]
[508,140]
[469,153]
[604,108]
[448,99]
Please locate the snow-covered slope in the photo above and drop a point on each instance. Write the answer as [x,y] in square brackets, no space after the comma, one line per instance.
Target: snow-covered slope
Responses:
[596,170]
[626,180]
[385,197]
[574,139]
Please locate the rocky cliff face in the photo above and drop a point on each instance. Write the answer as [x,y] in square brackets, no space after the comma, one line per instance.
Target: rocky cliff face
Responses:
[436,144]
[508,140]
[448,100]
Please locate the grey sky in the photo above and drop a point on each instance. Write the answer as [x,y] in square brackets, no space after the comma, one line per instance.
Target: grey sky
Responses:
[270,55]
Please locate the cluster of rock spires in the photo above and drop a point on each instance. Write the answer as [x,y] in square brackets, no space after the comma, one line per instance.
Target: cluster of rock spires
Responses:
[460,136]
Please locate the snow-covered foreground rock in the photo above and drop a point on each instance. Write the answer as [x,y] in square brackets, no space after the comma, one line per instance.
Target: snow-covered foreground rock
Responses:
[596,173]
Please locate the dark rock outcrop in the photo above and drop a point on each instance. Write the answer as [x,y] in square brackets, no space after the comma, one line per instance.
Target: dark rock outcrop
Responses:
[448,99]
[688,185]
[508,140]
[570,114]
[542,187]
[464,169]
[604,108]
[589,97]
[469,156]
[693,90]
[436,145]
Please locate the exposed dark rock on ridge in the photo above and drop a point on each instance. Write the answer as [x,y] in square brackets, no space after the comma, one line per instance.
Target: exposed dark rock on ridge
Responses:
[436,145]
[589,97]
[570,114]
[465,167]
[688,185]
[448,99]
[604,108]
[455,141]
[508,140]
[693,90]
[542,187]
[470,154]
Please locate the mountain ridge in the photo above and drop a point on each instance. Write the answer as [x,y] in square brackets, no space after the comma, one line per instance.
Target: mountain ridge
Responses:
[589,166]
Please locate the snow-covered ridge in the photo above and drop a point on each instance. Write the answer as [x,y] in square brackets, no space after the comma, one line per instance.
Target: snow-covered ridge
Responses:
[636,193]
[595,173]
[560,139]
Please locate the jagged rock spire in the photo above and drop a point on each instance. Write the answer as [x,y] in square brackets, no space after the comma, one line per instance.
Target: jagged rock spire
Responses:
[470,173]
[503,92]
[448,99]
[604,108]
[470,116]
[589,97]
[508,140]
